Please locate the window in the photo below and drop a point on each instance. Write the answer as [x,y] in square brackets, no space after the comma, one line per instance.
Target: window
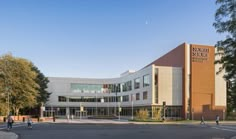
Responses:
[137,96]
[123,87]
[145,95]
[61,111]
[125,98]
[86,99]
[137,83]
[114,88]
[86,88]
[156,79]
[75,100]
[61,99]
[146,80]
[127,86]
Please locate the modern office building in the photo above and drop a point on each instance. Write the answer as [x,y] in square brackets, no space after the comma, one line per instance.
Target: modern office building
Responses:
[184,80]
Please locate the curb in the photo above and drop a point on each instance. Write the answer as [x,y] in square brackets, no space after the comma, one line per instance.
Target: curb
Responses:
[8,135]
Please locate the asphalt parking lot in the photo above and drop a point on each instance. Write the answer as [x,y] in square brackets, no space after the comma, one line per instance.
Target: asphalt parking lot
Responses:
[125,131]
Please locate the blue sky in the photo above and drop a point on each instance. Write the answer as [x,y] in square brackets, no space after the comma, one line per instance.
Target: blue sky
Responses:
[101,38]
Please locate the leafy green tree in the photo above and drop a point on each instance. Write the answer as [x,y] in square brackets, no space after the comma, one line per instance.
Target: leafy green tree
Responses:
[17,83]
[225,22]
[42,81]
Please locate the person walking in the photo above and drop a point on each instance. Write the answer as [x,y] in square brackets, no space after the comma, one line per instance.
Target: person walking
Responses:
[29,122]
[217,119]
[202,120]
[9,122]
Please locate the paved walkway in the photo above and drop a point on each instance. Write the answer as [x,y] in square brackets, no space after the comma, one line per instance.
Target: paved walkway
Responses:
[11,135]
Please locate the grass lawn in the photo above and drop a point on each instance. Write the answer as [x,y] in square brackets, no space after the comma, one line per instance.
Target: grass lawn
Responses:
[145,120]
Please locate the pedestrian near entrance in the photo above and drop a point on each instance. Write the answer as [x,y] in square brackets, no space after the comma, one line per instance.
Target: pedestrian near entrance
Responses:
[68,117]
[72,117]
[9,122]
[202,120]
[217,119]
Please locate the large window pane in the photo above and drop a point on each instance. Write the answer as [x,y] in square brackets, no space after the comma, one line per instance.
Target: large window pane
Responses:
[61,99]
[146,80]
[86,88]
[137,83]
[127,86]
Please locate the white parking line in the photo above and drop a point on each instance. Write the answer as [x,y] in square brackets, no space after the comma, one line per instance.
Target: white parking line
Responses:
[231,127]
[225,129]
[15,125]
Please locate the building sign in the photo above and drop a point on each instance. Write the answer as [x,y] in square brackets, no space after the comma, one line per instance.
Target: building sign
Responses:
[81,108]
[200,54]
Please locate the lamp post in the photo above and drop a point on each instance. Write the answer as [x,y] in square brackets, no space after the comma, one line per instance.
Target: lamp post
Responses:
[108,102]
[119,110]
[132,100]
[164,110]
[102,109]
[51,111]
[116,100]
[80,110]
[58,109]
[96,104]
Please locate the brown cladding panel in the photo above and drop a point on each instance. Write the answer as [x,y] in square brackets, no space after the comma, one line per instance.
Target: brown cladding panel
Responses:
[202,77]
[175,58]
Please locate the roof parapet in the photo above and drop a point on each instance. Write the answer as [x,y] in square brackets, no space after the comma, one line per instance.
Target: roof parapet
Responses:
[128,72]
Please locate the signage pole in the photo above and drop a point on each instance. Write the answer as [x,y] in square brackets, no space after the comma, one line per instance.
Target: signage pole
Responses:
[80,111]
[132,109]
[119,110]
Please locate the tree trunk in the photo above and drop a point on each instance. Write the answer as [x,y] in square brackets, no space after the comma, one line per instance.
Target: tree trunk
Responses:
[17,113]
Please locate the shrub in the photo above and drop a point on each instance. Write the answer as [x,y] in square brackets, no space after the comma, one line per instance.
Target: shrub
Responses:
[157,114]
[142,114]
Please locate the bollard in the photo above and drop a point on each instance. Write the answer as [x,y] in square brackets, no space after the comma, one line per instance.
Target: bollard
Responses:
[4,119]
[23,119]
[54,119]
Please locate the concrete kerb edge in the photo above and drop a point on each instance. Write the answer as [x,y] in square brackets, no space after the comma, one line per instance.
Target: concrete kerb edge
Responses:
[8,135]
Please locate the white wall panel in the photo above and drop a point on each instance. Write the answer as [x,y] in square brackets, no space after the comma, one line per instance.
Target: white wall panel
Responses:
[220,87]
[170,85]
